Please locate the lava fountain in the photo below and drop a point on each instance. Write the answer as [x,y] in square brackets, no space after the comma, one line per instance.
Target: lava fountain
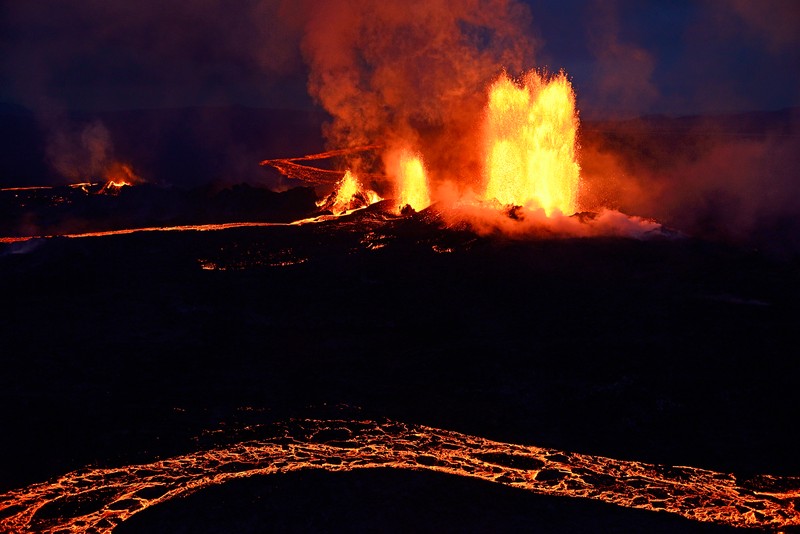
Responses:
[531,136]
[346,190]
[348,195]
[411,181]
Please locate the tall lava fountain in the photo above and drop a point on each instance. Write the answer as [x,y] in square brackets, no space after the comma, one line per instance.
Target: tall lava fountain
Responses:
[531,133]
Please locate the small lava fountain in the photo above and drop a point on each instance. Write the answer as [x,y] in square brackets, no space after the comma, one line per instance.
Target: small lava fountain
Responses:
[119,175]
[412,182]
[348,195]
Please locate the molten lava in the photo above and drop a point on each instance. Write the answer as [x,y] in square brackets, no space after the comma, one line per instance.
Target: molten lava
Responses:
[348,188]
[97,499]
[412,182]
[348,195]
[530,134]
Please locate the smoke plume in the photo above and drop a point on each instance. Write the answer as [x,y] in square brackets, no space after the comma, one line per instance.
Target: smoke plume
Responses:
[414,73]
[80,154]
[731,177]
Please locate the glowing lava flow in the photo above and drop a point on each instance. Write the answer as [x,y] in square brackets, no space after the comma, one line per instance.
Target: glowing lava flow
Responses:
[291,169]
[102,498]
[530,136]
[125,231]
[119,175]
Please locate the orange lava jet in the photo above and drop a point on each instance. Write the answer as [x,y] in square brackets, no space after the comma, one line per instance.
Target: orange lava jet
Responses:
[530,135]
[412,181]
[99,499]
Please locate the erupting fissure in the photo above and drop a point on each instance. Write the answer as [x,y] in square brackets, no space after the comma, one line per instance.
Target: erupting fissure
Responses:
[117,176]
[529,153]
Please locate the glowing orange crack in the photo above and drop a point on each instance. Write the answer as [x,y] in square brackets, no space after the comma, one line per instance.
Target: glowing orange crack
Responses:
[110,496]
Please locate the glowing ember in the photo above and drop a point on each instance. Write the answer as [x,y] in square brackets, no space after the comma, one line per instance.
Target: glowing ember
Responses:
[412,183]
[530,136]
[114,495]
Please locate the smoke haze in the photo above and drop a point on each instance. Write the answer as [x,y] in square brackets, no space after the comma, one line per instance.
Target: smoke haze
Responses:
[729,177]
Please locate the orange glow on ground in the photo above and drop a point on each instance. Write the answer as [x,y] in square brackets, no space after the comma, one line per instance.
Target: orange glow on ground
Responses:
[530,135]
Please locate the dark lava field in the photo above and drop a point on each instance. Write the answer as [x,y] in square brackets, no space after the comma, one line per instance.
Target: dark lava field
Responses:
[129,348]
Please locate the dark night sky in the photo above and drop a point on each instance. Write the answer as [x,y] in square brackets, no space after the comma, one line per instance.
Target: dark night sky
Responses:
[626,57]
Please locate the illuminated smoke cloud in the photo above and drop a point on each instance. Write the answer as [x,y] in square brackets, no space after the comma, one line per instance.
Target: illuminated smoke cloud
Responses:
[413,73]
